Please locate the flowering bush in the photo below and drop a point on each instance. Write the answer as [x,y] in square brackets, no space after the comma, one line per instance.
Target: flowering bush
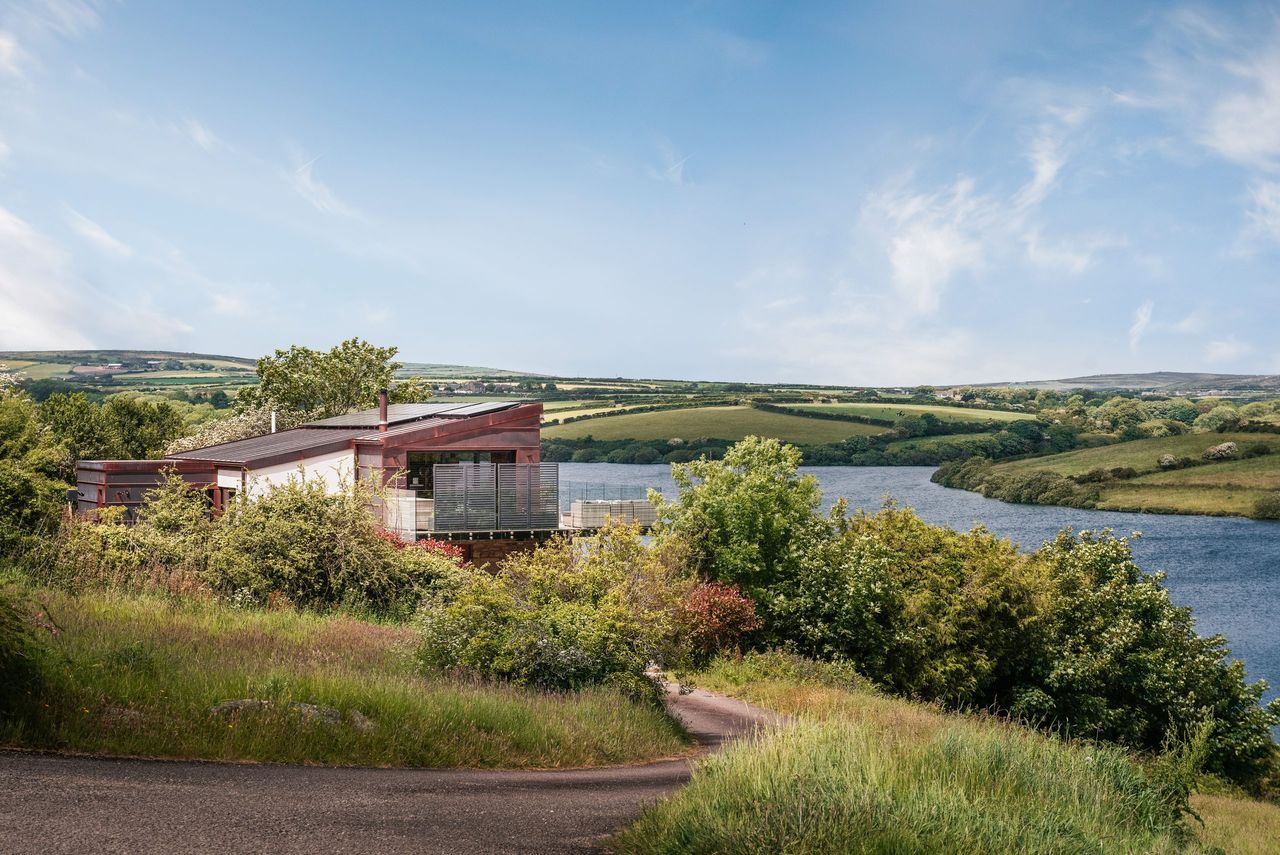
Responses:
[426,544]
[714,617]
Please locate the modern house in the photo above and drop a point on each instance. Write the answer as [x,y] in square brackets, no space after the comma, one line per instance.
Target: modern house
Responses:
[468,473]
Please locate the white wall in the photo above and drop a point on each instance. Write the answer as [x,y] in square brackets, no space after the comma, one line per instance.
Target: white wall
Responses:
[333,468]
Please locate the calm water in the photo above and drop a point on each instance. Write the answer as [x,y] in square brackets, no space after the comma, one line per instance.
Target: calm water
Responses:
[1227,570]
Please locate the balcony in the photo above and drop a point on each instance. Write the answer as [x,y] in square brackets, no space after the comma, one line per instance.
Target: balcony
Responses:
[478,499]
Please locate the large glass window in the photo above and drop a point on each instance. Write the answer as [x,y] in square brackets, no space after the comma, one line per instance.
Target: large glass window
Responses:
[418,472]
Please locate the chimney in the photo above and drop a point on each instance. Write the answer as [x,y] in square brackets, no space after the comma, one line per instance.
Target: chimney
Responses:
[273,421]
[382,410]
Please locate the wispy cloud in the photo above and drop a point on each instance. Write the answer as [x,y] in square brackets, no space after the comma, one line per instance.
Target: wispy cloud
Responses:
[199,134]
[1141,320]
[304,182]
[671,169]
[12,56]
[5,151]
[1226,350]
[230,304]
[930,238]
[39,307]
[96,235]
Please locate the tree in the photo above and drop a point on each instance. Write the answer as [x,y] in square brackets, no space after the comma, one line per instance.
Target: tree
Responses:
[140,429]
[322,384]
[79,425]
[748,519]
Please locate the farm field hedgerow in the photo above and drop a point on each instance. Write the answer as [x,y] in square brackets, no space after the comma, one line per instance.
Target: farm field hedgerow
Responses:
[731,423]
[894,411]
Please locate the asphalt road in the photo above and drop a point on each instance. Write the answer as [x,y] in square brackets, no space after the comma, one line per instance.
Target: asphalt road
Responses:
[56,804]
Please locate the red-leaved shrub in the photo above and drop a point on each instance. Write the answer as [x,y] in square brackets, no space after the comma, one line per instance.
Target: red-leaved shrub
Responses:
[426,544]
[715,616]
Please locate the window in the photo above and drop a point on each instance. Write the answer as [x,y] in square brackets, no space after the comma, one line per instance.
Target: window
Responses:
[419,474]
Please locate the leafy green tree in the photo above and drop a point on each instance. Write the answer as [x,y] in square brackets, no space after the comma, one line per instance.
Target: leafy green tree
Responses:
[138,428]
[1221,417]
[748,519]
[1120,661]
[329,383]
[79,425]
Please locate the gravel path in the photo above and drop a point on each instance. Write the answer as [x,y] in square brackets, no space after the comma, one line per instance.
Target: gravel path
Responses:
[56,804]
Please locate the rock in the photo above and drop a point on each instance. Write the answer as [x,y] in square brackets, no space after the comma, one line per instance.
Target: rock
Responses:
[360,721]
[1167,461]
[1225,451]
[315,712]
[114,716]
[238,706]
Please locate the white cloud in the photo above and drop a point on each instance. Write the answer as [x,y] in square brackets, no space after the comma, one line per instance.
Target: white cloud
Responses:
[12,56]
[5,151]
[1141,320]
[1264,213]
[930,238]
[1226,350]
[230,304]
[96,235]
[199,134]
[672,169]
[39,307]
[304,182]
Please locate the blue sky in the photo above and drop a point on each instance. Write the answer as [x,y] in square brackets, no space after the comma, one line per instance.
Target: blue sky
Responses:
[846,193]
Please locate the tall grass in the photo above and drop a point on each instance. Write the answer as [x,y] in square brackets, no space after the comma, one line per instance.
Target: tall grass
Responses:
[842,786]
[138,675]
[862,772]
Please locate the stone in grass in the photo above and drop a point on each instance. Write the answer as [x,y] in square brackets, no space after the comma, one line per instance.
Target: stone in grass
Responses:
[308,712]
[238,706]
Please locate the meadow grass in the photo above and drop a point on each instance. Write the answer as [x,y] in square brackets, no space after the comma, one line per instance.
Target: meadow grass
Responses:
[864,773]
[138,676]
[894,411]
[1228,488]
[730,423]
[1140,454]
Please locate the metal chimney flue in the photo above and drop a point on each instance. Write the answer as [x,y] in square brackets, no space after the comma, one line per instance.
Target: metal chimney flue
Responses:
[382,410]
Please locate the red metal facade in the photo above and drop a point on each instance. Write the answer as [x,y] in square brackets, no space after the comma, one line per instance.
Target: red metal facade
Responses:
[126,482]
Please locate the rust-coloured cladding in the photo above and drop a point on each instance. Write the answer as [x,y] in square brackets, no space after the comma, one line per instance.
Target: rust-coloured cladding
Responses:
[515,429]
[127,482]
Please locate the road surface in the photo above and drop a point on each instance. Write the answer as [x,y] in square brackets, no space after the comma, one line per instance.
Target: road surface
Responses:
[58,804]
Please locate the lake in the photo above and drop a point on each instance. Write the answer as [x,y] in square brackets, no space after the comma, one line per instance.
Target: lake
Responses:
[1226,569]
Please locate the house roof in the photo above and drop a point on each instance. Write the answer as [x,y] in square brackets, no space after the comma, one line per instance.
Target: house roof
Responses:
[298,440]
[401,413]
[340,433]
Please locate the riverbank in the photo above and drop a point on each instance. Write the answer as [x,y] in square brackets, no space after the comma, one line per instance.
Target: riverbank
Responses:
[1207,474]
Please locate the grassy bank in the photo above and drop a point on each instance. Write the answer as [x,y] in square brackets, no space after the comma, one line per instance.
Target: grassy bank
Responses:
[1220,488]
[140,675]
[865,773]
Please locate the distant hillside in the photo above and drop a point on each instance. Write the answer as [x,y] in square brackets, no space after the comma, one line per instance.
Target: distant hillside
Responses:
[92,357]
[436,371]
[1162,381]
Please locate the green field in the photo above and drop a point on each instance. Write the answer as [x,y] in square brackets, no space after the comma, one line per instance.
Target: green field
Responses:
[1139,454]
[891,412]
[732,423]
[1221,488]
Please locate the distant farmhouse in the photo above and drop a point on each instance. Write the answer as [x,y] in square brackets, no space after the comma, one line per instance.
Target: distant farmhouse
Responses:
[469,473]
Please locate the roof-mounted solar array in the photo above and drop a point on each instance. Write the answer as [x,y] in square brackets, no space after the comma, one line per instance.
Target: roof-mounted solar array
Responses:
[401,413]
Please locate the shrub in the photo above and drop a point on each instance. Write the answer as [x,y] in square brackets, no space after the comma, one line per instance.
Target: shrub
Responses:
[320,550]
[20,660]
[1268,507]
[562,616]
[714,617]
[1121,662]
[1222,451]
[29,506]
[1256,449]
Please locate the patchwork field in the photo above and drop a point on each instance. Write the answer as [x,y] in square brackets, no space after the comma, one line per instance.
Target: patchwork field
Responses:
[730,423]
[895,411]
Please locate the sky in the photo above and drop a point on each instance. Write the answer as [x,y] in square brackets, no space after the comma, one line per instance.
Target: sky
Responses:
[853,193]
